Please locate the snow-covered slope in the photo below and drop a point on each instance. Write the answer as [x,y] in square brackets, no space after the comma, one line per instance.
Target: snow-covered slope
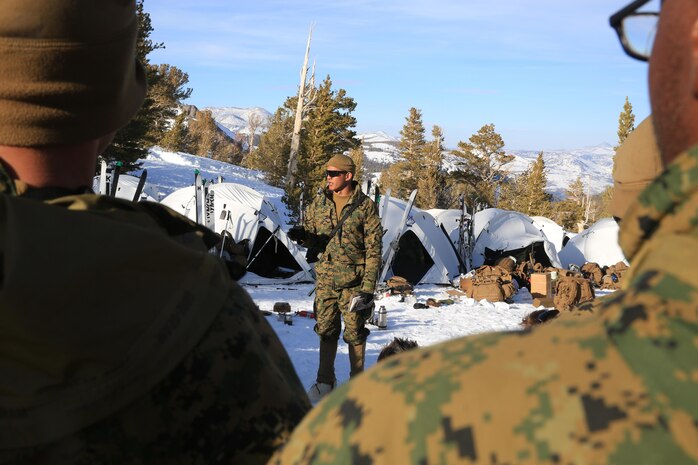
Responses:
[169,171]
[235,120]
[593,164]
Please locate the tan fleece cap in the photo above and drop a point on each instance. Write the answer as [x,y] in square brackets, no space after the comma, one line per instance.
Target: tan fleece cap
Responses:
[637,163]
[343,162]
[68,70]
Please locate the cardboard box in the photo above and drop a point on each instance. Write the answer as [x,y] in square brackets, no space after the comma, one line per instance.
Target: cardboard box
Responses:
[541,285]
[455,293]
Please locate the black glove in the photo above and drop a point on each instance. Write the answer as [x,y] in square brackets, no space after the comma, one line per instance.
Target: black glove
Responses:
[366,298]
[297,234]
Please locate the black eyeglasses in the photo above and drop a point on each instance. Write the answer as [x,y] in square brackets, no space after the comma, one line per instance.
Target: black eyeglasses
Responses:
[334,174]
[636,29]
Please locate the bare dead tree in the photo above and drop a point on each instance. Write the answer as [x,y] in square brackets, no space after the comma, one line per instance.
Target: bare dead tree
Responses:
[254,122]
[306,98]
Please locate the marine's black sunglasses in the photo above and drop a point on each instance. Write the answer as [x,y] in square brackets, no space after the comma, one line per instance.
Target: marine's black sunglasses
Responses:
[333,173]
[636,29]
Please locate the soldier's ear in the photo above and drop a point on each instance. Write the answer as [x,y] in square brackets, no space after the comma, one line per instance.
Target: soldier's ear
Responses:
[694,59]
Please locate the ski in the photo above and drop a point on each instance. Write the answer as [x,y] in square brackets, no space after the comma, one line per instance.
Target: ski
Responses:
[103,179]
[462,251]
[115,179]
[389,255]
[366,186]
[198,201]
[209,219]
[141,185]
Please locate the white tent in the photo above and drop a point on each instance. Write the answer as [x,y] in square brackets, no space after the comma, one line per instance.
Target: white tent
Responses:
[127,188]
[553,231]
[483,217]
[449,221]
[248,216]
[597,244]
[424,253]
[506,233]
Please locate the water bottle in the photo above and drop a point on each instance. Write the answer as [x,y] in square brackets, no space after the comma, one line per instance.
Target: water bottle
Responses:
[382,320]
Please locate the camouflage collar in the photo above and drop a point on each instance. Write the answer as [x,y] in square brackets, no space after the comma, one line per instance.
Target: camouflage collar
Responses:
[666,206]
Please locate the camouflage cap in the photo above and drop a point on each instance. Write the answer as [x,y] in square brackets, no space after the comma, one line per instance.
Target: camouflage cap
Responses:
[637,163]
[343,162]
[68,70]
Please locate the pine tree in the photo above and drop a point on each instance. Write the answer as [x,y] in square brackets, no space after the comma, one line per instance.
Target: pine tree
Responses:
[482,165]
[328,131]
[431,180]
[206,139]
[411,147]
[626,123]
[525,193]
[165,92]
[357,154]
[537,201]
[175,139]
[271,156]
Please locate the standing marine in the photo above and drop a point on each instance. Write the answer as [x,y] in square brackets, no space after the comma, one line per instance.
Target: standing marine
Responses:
[618,387]
[348,264]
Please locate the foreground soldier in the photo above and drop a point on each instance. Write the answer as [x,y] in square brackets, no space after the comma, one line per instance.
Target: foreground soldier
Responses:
[121,339]
[348,267]
[617,387]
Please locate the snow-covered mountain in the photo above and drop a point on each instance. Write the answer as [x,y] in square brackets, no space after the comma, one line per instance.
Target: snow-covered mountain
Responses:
[236,120]
[593,164]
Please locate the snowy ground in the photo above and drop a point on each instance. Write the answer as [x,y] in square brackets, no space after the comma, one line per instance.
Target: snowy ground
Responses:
[426,326]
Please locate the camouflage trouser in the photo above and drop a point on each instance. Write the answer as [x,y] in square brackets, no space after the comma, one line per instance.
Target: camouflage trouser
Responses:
[234,399]
[331,306]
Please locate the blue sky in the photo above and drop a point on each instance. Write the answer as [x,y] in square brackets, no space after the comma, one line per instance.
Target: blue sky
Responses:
[549,74]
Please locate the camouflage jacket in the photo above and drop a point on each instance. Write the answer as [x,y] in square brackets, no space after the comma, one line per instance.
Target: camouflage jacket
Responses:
[353,256]
[123,341]
[620,386]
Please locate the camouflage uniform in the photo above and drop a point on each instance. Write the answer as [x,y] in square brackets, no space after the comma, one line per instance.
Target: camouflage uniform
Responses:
[620,386]
[348,265]
[137,348]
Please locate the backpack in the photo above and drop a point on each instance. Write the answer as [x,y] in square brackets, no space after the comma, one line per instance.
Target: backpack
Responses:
[507,263]
[399,285]
[593,272]
[614,276]
[522,274]
[493,284]
[571,291]
[489,289]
